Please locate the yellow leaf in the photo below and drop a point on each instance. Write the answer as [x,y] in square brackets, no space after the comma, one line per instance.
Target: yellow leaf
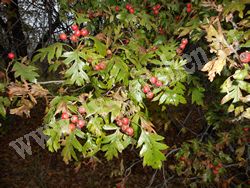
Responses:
[216,65]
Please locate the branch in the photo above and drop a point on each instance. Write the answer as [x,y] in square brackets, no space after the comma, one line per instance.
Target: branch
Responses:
[15,26]
[3,24]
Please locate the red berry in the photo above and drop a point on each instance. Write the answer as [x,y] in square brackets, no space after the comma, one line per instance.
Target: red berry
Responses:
[63,36]
[215,171]
[219,165]
[72,126]
[189,5]
[156,12]
[150,95]
[245,57]
[128,6]
[210,165]
[178,51]
[84,32]
[81,110]
[77,33]
[119,122]
[177,18]
[154,8]
[158,83]
[158,6]
[153,80]
[184,41]
[102,65]
[125,121]
[182,158]
[182,46]
[131,11]
[97,67]
[129,131]
[73,38]
[65,116]
[161,31]
[80,123]
[146,89]
[11,55]
[246,129]
[154,48]
[74,119]
[124,127]
[189,10]
[117,8]
[125,41]
[74,27]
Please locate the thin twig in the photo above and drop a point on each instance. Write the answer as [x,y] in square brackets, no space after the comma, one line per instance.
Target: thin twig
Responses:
[152,179]
[172,151]
[51,82]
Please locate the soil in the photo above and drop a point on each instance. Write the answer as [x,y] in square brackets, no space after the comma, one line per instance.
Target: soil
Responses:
[44,169]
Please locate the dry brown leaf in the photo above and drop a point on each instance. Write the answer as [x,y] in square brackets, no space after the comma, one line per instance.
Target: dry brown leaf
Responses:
[218,45]
[62,107]
[24,109]
[32,98]
[17,90]
[83,97]
[147,125]
[101,37]
[38,91]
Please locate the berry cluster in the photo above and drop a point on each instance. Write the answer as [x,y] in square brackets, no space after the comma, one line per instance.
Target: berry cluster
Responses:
[124,124]
[245,57]
[182,46]
[76,34]
[156,9]
[215,168]
[100,66]
[189,7]
[130,8]
[146,88]
[75,120]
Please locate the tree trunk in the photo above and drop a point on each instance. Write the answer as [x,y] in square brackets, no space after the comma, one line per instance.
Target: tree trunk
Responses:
[15,26]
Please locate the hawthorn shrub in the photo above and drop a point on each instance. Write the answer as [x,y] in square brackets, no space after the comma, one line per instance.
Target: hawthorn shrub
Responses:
[121,56]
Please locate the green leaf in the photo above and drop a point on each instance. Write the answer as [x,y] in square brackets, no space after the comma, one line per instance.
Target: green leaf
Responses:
[119,71]
[135,91]
[197,95]
[4,102]
[151,149]
[246,45]
[99,46]
[95,126]
[54,50]
[75,74]
[54,133]
[26,72]
[103,107]
[68,151]
[233,6]
[115,143]
[234,93]
[90,148]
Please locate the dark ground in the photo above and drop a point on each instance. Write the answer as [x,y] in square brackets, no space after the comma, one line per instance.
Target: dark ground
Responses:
[45,169]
